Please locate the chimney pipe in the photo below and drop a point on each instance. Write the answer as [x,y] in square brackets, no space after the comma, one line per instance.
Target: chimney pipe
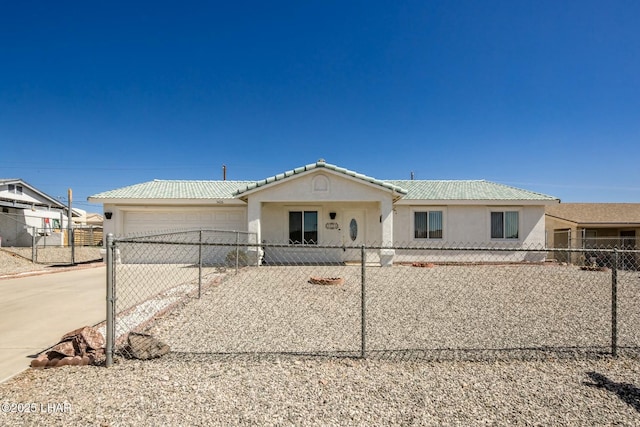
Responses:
[224,172]
[412,176]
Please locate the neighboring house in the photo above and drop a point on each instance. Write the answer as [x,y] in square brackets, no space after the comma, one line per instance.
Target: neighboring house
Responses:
[87,228]
[28,214]
[94,220]
[323,204]
[83,219]
[592,225]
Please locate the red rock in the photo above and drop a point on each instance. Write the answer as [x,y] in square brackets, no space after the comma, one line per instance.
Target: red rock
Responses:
[40,362]
[63,362]
[53,362]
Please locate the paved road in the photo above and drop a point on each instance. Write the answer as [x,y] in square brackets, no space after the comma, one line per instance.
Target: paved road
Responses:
[35,312]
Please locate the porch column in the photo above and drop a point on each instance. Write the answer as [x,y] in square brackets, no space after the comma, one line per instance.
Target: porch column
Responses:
[386,212]
[254,212]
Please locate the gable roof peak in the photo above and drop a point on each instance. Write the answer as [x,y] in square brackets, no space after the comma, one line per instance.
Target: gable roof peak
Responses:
[321,163]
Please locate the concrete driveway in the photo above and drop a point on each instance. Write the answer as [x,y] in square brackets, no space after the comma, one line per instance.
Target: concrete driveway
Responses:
[35,312]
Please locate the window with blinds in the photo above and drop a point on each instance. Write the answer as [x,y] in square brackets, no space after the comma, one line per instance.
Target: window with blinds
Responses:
[427,225]
[505,225]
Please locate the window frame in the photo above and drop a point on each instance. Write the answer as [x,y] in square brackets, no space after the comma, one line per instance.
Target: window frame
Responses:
[303,212]
[15,189]
[504,212]
[427,211]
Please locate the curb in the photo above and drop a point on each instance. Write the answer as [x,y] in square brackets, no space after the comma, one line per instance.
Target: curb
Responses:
[52,270]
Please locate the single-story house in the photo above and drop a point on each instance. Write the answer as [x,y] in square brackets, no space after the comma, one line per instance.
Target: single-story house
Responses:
[592,225]
[28,214]
[321,204]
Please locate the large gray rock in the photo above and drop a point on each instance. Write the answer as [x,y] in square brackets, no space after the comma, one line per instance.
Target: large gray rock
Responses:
[144,346]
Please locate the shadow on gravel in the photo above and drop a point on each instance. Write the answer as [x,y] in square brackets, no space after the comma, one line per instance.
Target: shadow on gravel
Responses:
[411,355]
[492,354]
[628,393]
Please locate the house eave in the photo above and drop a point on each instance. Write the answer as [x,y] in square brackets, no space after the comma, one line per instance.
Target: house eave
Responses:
[53,203]
[171,202]
[16,204]
[465,202]
[608,225]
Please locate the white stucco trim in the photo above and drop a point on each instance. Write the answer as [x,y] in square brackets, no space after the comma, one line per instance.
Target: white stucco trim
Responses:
[169,202]
[419,202]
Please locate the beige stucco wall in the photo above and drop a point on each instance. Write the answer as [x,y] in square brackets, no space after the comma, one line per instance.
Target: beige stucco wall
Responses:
[469,226]
[275,217]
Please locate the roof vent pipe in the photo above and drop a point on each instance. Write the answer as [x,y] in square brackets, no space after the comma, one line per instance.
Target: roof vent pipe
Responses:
[224,172]
[412,177]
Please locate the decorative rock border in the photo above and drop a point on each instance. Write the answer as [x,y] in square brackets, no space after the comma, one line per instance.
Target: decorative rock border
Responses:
[593,268]
[423,264]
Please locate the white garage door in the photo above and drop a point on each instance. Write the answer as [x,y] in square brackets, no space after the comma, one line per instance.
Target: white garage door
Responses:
[161,221]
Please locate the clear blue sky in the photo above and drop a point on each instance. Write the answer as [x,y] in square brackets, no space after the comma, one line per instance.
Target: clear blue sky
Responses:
[543,95]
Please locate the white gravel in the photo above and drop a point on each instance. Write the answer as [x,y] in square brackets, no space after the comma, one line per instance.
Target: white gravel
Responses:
[207,391]
[447,312]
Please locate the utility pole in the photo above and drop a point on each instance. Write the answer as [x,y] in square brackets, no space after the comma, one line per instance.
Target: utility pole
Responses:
[70,226]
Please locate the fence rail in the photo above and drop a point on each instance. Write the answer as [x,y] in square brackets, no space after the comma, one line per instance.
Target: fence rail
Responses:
[225,294]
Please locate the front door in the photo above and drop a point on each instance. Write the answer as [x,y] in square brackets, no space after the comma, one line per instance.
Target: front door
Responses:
[353,233]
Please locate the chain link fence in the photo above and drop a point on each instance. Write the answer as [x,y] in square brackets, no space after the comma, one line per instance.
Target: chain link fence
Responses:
[224,294]
[51,243]
[586,239]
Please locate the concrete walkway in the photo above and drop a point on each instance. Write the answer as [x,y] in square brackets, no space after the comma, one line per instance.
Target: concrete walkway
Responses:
[35,311]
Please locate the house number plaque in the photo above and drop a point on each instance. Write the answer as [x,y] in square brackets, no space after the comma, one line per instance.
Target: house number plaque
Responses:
[331,225]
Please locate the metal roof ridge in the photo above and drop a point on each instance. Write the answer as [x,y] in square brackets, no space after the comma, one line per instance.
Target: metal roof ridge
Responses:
[363,177]
[320,164]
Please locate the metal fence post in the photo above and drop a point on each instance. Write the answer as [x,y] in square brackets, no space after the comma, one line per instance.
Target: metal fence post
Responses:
[200,266]
[237,249]
[73,246]
[614,304]
[33,245]
[110,302]
[363,305]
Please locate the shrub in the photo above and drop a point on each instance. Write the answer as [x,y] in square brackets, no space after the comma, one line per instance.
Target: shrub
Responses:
[243,258]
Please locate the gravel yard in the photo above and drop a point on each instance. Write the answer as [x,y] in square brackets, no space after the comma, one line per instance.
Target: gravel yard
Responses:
[12,263]
[452,345]
[204,391]
[18,260]
[446,312]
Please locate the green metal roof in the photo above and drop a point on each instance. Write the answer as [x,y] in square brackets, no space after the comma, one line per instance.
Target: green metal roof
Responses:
[175,189]
[407,189]
[465,190]
[322,164]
